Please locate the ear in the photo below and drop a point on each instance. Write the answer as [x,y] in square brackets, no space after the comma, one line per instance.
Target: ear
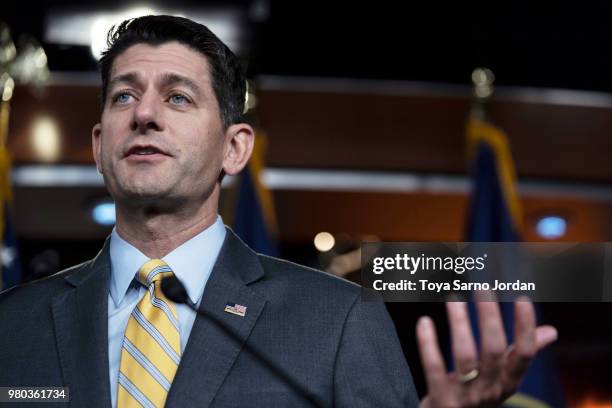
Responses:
[240,139]
[96,145]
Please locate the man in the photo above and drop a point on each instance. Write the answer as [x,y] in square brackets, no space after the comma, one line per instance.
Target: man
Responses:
[269,333]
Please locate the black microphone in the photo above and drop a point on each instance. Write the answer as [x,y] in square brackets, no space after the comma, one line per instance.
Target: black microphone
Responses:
[174,290]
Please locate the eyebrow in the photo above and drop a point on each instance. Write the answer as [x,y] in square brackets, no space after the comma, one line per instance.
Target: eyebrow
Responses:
[129,78]
[170,79]
[167,80]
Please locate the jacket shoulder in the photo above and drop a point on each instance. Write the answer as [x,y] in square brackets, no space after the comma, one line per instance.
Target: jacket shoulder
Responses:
[308,280]
[39,291]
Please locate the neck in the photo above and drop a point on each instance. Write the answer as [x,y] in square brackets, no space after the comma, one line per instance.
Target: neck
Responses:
[156,234]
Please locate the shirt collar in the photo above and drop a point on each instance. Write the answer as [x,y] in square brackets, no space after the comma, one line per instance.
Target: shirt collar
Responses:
[192,262]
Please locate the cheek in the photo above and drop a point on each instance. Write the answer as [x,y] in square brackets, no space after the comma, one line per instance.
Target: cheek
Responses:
[109,161]
[216,150]
[205,157]
[203,146]
[106,149]
[111,141]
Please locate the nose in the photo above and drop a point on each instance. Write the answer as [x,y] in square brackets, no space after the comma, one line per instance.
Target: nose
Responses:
[147,114]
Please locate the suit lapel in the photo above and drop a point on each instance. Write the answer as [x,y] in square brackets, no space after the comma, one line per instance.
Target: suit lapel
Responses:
[81,328]
[210,350]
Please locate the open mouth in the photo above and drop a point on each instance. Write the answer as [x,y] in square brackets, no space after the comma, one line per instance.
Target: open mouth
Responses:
[145,150]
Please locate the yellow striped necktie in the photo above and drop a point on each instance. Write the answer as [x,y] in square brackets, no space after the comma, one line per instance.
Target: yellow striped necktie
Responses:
[151,346]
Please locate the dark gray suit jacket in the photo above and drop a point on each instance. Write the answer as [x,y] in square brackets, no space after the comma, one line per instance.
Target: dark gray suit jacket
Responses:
[342,351]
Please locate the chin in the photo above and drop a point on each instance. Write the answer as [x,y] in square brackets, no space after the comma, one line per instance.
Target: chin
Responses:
[143,194]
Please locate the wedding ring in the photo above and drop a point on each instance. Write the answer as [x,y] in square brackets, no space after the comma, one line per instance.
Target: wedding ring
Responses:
[469,376]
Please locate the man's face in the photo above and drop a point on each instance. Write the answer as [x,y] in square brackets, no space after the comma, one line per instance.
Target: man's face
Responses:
[160,139]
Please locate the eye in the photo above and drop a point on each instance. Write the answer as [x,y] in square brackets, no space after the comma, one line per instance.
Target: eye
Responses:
[178,99]
[122,98]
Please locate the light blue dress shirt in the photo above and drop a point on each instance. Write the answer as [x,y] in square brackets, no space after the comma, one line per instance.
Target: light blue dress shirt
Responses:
[192,263]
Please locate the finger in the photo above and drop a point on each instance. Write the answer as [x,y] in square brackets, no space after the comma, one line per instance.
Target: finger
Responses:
[493,341]
[524,347]
[463,344]
[545,335]
[431,357]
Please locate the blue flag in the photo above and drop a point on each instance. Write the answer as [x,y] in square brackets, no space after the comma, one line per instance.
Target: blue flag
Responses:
[495,216]
[254,217]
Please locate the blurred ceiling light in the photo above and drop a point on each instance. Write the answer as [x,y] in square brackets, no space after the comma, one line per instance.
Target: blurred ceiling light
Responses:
[7,46]
[103,213]
[45,139]
[551,227]
[324,241]
[89,28]
[7,85]
[30,65]
[250,100]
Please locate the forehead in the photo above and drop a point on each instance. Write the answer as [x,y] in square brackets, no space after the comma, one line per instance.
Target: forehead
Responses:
[156,60]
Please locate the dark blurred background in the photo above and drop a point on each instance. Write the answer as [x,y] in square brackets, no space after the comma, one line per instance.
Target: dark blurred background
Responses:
[364,110]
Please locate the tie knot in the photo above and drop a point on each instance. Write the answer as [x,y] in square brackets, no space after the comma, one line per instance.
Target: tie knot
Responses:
[153,271]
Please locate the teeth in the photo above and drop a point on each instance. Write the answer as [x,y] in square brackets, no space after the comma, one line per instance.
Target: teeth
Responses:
[145,151]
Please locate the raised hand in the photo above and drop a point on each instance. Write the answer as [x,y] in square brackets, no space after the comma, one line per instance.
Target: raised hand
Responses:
[482,379]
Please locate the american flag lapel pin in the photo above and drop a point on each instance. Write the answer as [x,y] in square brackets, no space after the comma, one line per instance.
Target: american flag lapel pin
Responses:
[235,308]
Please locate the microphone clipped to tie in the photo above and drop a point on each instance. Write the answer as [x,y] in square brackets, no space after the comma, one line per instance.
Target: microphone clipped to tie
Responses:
[174,290]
